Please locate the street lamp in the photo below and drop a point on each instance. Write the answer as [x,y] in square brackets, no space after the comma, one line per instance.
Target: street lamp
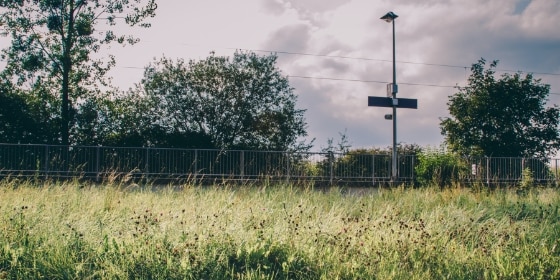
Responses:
[390,17]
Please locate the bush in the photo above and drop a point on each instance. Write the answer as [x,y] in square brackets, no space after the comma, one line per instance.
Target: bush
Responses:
[440,168]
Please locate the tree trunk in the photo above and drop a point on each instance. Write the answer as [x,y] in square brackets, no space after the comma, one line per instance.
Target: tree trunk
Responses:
[66,69]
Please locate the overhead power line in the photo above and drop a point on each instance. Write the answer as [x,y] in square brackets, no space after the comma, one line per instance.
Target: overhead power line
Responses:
[367,81]
[380,82]
[368,59]
[347,80]
[365,59]
[386,60]
[355,58]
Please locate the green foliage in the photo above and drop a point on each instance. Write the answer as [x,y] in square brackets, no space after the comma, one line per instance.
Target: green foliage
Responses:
[241,102]
[527,181]
[26,118]
[126,121]
[373,162]
[503,117]
[439,168]
[53,43]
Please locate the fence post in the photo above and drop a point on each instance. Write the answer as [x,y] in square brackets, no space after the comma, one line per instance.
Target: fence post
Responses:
[373,169]
[556,172]
[195,163]
[522,169]
[146,173]
[488,171]
[331,164]
[242,163]
[412,169]
[97,162]
[287,155]
[47,161]
[146,159]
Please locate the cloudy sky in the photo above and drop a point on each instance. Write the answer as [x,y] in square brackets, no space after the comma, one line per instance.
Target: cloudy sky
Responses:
[345,50]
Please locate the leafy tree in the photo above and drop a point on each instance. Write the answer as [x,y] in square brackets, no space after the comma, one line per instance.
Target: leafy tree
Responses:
[238,103]
[24,117]
[120,120]
[54,42]
[501,117]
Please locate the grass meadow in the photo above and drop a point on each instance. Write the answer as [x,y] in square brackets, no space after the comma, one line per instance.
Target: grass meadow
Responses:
[73,230]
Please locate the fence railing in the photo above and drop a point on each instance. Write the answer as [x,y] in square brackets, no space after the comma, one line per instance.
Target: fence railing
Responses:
[99,163]
[510,169]
[162,163]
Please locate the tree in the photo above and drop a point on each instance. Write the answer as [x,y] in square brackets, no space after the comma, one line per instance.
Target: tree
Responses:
[501,118]
[128,120]
[239,103]
[23,117]
[53,42]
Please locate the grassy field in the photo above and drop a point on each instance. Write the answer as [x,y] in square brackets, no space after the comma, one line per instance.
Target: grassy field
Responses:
[74,231]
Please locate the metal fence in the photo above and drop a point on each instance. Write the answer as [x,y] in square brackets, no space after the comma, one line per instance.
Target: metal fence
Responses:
[161,163]
[510,169]
[100,163]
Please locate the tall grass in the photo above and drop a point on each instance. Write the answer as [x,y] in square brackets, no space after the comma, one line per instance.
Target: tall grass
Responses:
[75,231]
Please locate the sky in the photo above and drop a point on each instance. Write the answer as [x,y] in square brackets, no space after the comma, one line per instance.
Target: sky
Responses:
[344,50]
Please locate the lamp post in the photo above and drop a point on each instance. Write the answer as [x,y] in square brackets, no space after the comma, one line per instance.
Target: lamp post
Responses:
[390,17]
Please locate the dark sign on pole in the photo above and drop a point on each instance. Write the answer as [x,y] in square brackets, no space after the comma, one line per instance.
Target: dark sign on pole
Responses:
[390,102]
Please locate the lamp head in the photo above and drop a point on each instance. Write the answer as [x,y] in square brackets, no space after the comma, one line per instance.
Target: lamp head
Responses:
[389,17]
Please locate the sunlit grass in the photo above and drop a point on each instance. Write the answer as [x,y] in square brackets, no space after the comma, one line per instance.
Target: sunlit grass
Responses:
[115,231]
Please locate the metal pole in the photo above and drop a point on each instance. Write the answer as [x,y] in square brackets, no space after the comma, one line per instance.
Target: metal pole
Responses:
[242,164]
[331,163]
[287,156]
[394,157]
[373,169]
[97,163]
[46,161]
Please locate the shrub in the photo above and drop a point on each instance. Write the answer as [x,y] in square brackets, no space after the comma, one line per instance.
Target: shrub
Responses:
[440,168]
